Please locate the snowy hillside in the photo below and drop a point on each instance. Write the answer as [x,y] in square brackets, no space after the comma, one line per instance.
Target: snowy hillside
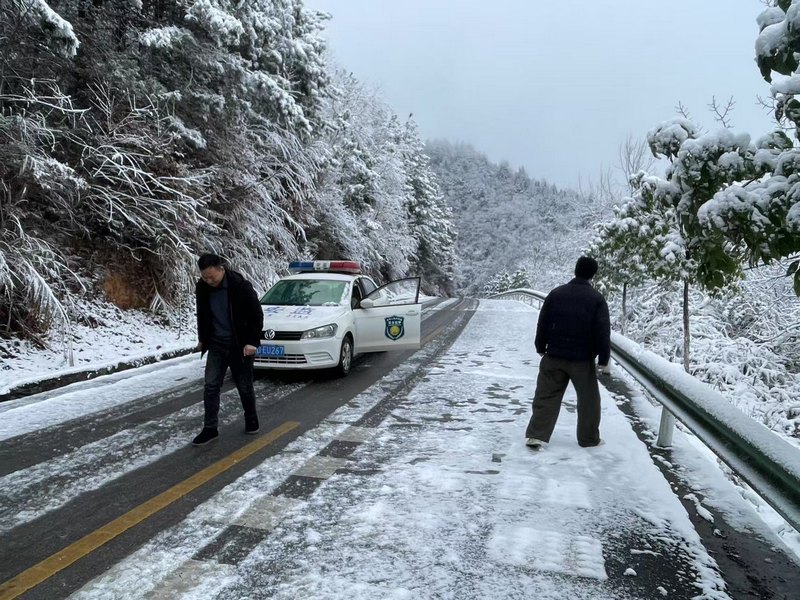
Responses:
[507,221]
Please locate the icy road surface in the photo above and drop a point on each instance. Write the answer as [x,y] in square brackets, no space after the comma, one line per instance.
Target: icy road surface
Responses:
[437,497]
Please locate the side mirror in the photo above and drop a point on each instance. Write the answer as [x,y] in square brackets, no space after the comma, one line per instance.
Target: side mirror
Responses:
[367,303]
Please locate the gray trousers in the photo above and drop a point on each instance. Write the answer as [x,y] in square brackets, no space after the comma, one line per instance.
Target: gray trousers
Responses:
[554,376]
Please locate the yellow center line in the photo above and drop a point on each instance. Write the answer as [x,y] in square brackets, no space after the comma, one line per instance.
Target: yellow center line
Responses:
[86,545]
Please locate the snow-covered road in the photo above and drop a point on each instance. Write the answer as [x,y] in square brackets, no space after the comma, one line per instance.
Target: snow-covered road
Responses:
[421,486]
[441,499]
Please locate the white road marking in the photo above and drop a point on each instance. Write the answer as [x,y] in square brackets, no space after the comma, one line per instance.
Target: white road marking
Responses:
[202,578]
[356,434]
[267,512]
[321,467]
[544,550]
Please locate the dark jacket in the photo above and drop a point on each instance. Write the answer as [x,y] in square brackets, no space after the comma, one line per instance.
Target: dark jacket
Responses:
[245,311]
[574,324]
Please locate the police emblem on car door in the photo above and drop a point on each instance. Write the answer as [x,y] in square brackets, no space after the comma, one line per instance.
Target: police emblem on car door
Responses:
[394,328]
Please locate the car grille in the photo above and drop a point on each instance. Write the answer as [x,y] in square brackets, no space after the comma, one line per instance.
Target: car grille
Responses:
[283,336]
[286,359]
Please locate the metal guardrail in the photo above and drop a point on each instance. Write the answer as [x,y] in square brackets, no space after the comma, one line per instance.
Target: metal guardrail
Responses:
[768,463]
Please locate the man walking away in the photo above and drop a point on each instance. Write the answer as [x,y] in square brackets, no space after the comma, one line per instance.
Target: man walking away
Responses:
[573,329]
[229,323]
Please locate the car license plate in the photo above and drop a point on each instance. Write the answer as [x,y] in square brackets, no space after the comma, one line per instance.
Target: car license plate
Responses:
[267,350]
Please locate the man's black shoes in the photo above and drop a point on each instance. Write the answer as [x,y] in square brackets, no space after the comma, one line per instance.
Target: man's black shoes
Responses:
[251,424]
[592,445]
[207,435]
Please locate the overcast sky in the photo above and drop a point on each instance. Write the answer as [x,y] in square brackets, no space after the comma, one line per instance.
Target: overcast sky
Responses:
[552,85]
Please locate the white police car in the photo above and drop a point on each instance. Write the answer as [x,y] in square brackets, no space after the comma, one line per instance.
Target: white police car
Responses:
[327,311]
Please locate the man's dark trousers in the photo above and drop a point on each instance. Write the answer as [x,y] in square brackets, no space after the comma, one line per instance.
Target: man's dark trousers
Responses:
[554,376]
[221,355]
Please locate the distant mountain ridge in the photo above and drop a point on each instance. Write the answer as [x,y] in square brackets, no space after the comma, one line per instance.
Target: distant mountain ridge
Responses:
[505,220]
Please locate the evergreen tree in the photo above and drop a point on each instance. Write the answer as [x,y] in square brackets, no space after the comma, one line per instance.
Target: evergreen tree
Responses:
[362,192]
[138,134]
[661,224]
[505,220]
[519,279]
[430,217]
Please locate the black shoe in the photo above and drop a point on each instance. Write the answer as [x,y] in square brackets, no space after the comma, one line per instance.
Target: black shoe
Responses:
[599,443]
[208,434]
[251,425]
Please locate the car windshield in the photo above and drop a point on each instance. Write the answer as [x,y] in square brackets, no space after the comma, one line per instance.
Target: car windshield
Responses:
[305,292]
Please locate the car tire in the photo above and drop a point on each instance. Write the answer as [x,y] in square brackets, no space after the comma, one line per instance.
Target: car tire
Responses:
[345,357]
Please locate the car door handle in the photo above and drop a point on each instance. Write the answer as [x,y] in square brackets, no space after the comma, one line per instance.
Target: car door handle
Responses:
[412,313]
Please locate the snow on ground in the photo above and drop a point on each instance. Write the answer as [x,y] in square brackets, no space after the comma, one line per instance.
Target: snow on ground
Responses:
[59,406]
[441,500]
[119,335]
[29,493]
[704,472]
[702,466]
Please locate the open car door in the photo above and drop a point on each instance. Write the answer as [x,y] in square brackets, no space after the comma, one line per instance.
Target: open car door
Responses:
[389,318]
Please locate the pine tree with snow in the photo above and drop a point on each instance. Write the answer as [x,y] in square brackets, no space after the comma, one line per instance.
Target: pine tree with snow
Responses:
[519,279]
[505,220]
[362,193]
[430,217]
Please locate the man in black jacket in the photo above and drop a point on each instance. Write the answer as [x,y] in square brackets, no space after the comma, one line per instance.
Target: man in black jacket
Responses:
[573,329]
[229,323]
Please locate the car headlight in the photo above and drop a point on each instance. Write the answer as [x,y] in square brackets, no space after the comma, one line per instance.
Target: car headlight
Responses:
[325,331]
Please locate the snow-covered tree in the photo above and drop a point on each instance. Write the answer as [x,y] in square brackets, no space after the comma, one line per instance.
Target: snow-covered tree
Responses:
[505,281]
[28,24]
[738,200]
[505,220]
[139,134]
[430,216]
[259,60]
[500,282]
[520,279]
[247,82]
[378,200]
[362,192]
[700,167]
[35,277]
[618,246]
[662,222]
[763,214]
[645,238]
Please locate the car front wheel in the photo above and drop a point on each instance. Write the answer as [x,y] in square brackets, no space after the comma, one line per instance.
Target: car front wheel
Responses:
[345,357]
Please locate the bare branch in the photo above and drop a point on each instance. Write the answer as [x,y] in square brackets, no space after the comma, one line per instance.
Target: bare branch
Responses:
[634,156]
[682,110]
[722,114]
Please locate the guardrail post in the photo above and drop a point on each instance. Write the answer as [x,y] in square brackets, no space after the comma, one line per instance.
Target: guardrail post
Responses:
[666,429]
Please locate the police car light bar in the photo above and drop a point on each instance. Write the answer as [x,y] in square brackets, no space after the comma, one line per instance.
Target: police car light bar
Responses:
[325,266]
